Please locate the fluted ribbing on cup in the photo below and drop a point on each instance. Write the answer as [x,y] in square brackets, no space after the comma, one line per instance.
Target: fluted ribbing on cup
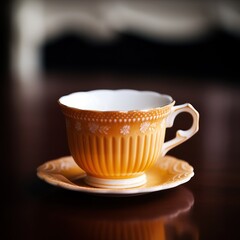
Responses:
[119,156]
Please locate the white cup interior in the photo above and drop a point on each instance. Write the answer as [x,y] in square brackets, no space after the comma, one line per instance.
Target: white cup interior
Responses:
[115,100]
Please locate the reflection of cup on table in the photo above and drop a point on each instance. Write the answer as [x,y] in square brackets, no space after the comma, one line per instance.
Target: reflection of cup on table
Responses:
[116,135]
[159,216]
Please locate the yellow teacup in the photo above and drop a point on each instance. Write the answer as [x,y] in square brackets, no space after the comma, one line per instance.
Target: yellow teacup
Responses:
[116,135]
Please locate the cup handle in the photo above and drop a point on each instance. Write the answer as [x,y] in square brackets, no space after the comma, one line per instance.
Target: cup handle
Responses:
[181,135]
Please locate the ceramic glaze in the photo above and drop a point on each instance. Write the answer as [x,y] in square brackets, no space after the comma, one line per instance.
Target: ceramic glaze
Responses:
[115,136]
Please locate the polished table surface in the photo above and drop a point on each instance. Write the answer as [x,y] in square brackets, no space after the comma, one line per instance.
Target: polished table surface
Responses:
[206,207]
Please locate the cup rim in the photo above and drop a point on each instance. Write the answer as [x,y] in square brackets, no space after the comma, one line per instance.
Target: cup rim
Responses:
[171,101]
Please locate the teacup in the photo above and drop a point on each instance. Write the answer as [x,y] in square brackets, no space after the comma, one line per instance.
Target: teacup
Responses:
[115,136]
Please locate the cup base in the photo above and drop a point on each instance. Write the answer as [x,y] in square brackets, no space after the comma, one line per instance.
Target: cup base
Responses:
[116,183]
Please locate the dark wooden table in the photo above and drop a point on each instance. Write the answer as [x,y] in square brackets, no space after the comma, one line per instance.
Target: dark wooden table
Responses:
[206,207]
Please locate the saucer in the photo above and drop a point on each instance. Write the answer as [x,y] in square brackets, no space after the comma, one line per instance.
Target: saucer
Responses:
[168,172]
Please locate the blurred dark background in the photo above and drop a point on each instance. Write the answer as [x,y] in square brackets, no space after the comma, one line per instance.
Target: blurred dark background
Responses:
[214,56]
[5,28]
[207,48]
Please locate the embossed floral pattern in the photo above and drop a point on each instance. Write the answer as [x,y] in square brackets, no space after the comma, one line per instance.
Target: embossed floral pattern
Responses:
[147,126]
[93,128]
[103,129]
[144,126]
[78,126]
[125,130]
[153,126]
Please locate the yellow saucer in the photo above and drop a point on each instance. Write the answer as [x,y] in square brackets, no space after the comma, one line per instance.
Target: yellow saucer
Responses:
[63,172]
